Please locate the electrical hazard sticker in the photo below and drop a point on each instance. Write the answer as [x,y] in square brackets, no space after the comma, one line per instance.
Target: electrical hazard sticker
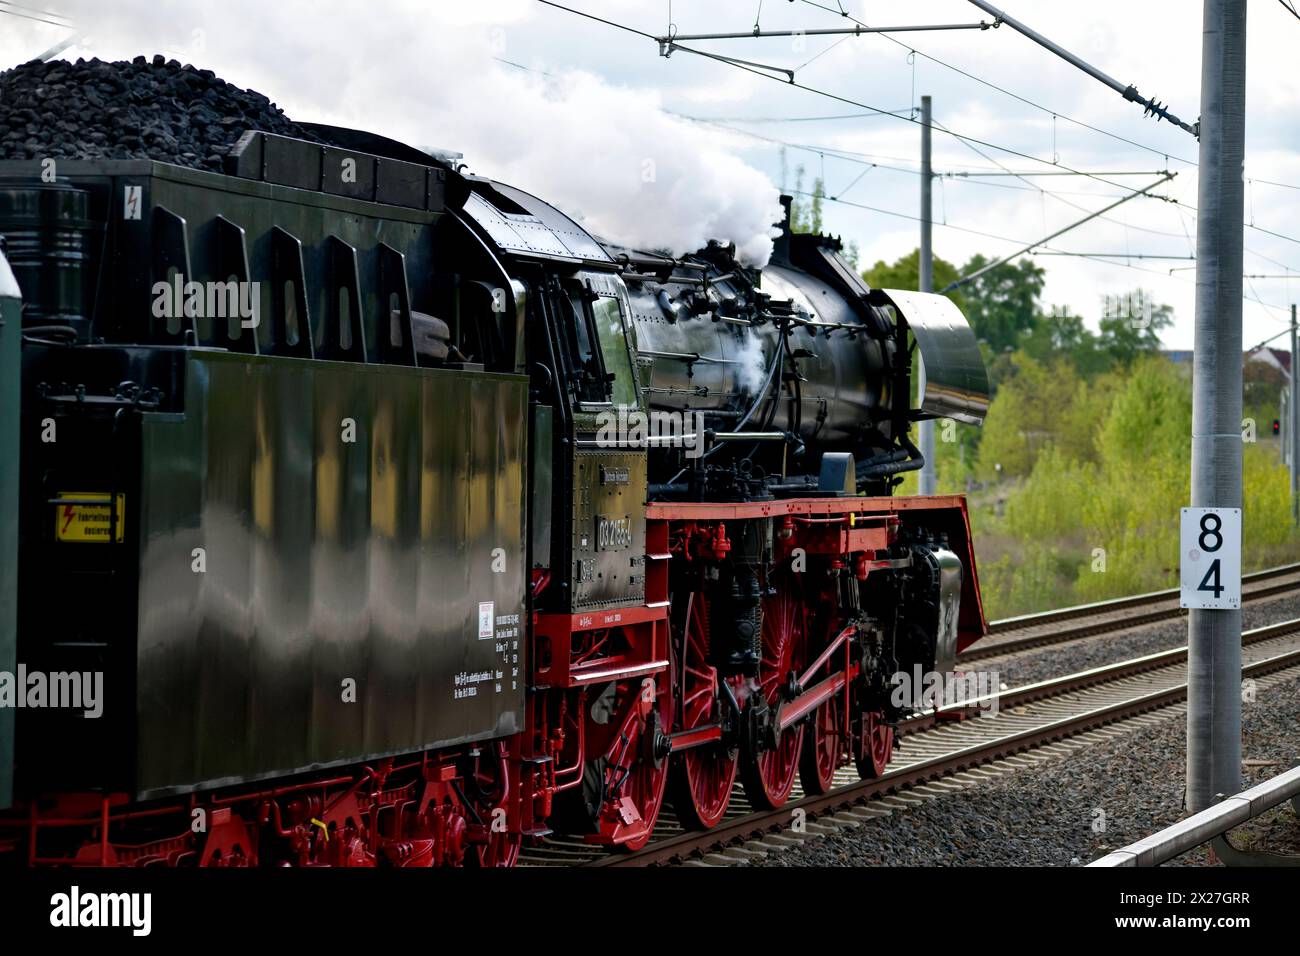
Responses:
[486,619]
[88,517]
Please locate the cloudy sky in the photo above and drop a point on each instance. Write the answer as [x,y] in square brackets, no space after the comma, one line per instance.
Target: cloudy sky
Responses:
[667,151]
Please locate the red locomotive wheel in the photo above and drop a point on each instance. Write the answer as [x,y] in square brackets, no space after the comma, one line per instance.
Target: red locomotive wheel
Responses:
[823,747]
[875,745]
[648,778]
[702,780]
[768,775]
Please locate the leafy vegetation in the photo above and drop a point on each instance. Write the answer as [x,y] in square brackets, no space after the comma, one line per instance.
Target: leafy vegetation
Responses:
[806,210]
[1076,479]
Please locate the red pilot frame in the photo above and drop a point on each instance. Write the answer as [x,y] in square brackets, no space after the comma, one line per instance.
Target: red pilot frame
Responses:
[633,706]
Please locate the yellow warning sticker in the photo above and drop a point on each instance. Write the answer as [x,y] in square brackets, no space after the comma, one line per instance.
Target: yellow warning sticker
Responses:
[78,516]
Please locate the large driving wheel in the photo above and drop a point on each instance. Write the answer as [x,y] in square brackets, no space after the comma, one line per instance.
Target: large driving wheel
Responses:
[873,744]
[701,782]
[768,766]
[824,746]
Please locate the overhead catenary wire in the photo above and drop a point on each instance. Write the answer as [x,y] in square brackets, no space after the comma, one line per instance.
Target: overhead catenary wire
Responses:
[1005,92]
[1111,255]
[1054,113]
[39,16]
[859,30]
[1128,91]
[1072,226]
[972,176]
[1165,174]
[962,137]
[968,230]
[848,101]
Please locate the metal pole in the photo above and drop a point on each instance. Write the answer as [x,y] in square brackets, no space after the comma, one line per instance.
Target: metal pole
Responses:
[1293,429]
[925,283]
[1284,420]
[1214,636]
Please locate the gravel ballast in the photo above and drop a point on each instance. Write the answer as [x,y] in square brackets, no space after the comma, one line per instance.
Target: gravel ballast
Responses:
[139,109]
[1128,787]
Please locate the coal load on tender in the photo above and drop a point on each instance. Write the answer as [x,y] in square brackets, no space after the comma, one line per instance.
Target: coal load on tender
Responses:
[142,109]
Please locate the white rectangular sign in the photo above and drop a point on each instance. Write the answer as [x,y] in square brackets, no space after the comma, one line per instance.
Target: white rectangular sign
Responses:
[1210,546]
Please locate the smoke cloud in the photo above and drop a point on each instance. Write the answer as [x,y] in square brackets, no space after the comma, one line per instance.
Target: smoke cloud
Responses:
[433,75]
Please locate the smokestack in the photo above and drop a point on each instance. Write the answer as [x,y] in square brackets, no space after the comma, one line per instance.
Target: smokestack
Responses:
[781,244]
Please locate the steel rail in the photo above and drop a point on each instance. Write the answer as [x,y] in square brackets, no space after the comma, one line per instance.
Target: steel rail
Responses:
[1103,674]
[1119,604]
[1104,625]
[758,823]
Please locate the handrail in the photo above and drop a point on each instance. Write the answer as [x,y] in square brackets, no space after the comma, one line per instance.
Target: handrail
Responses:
[1211,824]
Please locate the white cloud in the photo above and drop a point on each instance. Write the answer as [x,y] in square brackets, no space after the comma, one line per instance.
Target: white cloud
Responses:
[605,153]
[416,71]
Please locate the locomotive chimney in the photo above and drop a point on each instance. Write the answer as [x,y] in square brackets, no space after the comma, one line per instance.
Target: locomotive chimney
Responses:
[781,244]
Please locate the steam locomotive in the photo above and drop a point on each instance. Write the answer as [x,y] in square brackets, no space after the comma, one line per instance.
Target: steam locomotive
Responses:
[355,510]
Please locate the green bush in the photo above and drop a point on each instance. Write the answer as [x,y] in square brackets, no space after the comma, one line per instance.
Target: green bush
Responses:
[1097,513]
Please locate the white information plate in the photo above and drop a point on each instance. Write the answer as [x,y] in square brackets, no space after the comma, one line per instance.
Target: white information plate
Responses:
[1210,548]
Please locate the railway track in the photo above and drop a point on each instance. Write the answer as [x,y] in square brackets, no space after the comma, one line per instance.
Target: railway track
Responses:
[1042,630]
[938,747]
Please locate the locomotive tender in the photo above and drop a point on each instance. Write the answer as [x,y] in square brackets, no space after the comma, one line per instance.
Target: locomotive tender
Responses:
[322,465]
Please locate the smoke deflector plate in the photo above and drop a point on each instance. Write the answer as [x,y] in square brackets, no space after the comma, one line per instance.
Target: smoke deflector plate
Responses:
[956,384]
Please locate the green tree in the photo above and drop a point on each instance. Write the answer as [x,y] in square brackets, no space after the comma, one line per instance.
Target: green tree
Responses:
[1130,326]
[905,273]
[1002,304]
[1262,386]
[806,210]
[1062,334]
[1025,416]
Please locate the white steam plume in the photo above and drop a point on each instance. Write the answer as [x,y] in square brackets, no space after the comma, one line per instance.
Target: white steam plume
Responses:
[752,366]
[429,75]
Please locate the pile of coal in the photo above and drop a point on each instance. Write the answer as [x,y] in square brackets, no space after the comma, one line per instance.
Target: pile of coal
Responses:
[143,109]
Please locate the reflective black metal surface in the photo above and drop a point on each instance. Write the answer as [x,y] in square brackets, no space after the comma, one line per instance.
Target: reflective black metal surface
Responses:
[362,536]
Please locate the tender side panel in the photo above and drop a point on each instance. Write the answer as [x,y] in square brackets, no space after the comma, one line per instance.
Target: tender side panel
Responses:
[394,560]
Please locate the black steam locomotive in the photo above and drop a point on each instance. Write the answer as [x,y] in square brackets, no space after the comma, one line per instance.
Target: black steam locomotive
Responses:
[355,510]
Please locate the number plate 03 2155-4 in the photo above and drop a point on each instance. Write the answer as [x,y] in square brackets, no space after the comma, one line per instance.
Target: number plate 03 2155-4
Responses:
[613,533]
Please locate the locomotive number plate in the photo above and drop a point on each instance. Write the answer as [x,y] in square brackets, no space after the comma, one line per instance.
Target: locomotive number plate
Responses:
[613,534]
[79,517]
